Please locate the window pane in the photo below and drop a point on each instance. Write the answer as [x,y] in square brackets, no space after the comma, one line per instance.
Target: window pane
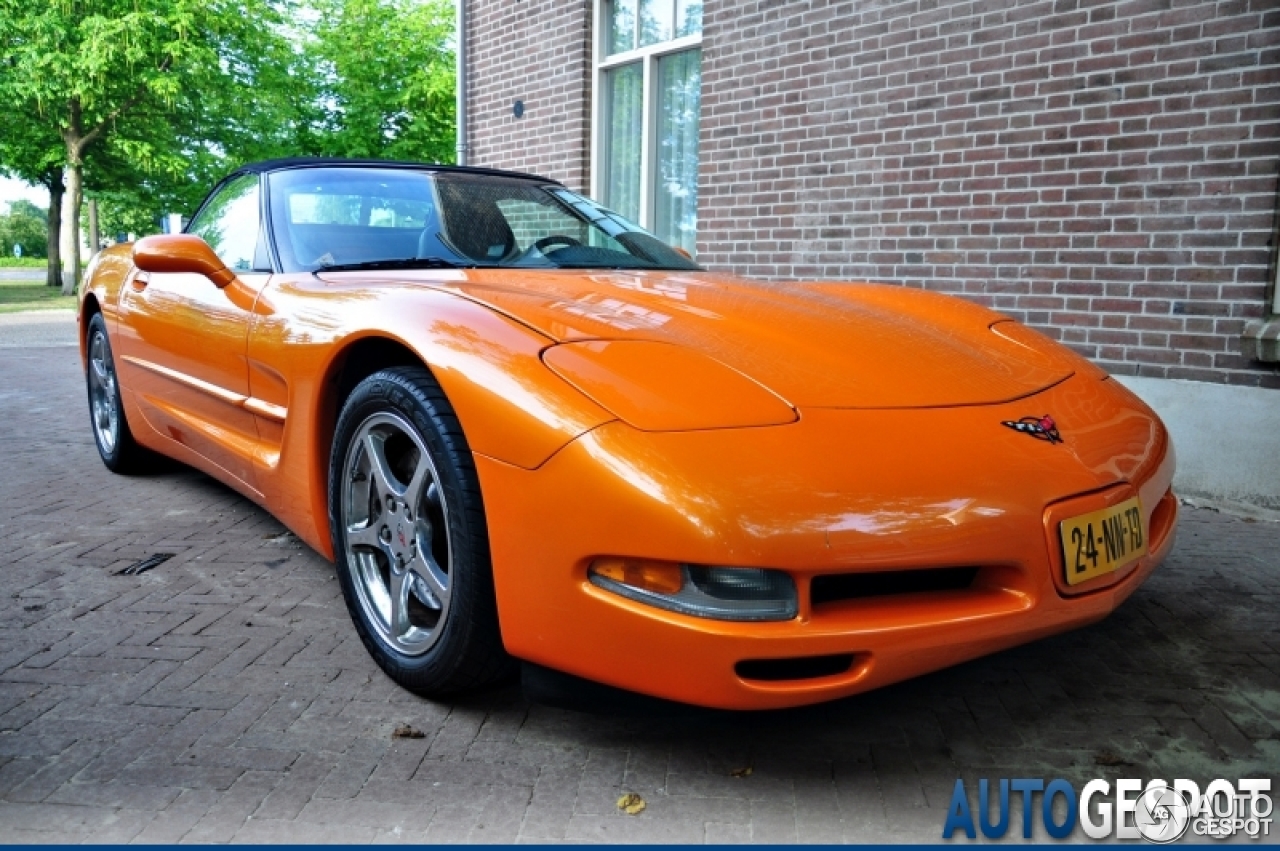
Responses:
[229,223]
[676,195]
[624,102]
[655,21]
[330,216]
[517,223]
[688,17]
[622,26]
[533,217]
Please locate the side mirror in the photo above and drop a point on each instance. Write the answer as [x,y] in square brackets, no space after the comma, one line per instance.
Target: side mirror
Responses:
[181,252]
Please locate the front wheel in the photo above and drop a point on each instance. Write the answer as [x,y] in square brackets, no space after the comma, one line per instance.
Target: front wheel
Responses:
[111,433]
[410,538]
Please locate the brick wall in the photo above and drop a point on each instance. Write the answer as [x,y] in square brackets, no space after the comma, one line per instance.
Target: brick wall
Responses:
[535,51]
[1103,170]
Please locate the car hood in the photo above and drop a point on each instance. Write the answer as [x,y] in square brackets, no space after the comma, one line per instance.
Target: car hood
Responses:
[835,345]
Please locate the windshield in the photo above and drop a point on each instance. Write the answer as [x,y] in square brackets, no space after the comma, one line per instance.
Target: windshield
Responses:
[352,218]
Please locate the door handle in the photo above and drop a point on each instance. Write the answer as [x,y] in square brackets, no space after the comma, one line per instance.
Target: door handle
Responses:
[140,281]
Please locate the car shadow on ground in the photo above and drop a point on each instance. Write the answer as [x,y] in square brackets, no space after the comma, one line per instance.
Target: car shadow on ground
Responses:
[1179,681]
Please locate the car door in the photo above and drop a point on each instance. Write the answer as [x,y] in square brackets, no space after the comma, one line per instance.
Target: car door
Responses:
[182,338]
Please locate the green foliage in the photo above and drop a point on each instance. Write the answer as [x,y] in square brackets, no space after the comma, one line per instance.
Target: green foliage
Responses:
[385,78]
[151,102]
[149,97]
[145,71]
[30,149]
[25,225]
[23,207]
[124,212]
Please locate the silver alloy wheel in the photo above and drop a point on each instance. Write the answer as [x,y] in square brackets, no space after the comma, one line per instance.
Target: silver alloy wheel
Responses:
[102,393]
[397,533]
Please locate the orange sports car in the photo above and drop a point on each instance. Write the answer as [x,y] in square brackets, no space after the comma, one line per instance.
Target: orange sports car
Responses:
[526,429]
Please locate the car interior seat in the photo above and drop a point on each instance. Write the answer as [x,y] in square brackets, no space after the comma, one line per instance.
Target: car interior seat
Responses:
[474,225]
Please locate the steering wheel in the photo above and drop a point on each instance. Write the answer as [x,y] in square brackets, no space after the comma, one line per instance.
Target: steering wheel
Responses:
[555,239]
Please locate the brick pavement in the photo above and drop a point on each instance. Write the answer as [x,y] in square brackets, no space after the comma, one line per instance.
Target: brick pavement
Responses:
[223,696]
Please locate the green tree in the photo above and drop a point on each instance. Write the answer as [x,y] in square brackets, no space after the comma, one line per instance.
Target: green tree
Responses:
[171,86]
[23,225]
[384,71]
[32,152]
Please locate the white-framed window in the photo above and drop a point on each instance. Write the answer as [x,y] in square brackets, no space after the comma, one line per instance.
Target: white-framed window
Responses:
[646,104]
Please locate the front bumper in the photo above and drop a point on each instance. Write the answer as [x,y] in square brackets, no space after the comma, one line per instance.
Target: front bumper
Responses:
[840,491]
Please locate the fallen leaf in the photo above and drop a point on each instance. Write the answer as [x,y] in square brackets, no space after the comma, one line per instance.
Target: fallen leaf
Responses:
[741,772]
[1110,759]
[404,731]
[631,804]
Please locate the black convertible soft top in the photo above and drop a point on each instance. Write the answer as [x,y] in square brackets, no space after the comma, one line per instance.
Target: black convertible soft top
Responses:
[320,162]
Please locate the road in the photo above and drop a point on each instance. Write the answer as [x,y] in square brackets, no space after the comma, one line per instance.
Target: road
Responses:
[34,274]
[224,696]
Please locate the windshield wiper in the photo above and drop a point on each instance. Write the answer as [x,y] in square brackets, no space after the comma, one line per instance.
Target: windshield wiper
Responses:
[400,263]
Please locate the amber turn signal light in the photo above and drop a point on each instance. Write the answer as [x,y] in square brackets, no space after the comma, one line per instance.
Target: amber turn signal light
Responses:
[720,593]
[658,577]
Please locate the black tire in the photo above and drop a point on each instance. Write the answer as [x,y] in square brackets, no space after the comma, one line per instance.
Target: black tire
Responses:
[111,433]
[447,577]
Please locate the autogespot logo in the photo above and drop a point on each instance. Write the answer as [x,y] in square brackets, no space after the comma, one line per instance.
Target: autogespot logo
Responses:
[1158,812]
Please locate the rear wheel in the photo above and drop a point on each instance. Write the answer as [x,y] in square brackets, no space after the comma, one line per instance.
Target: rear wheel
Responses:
[111,433]
[410,537]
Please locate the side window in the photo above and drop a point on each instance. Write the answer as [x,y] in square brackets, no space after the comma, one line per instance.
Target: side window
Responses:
[230,223]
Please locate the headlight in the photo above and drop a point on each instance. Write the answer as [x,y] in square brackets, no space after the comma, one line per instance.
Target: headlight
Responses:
[664,387]
[718,593]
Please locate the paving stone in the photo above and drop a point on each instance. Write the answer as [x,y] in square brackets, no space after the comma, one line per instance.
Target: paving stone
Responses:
[115,796]
[353,771]
[297,788]
[281,832]
[716,833]
[176,820]
[225,818]
[616,828]
[551,805]
[224,696]
[57,771]
[408,817]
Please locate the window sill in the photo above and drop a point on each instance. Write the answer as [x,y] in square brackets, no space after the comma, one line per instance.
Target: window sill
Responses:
[1261,340]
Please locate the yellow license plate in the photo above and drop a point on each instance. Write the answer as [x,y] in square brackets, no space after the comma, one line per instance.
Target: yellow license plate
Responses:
[1099,542]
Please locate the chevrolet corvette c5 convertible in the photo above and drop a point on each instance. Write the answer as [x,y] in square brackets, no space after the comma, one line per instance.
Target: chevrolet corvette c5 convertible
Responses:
[526,429]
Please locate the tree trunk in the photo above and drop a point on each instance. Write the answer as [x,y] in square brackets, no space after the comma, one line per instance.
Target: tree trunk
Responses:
[95,239]
[75,197]
[54,185]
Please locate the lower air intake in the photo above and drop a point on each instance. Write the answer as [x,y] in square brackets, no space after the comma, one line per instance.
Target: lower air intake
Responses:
[854,586]
[797,668]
